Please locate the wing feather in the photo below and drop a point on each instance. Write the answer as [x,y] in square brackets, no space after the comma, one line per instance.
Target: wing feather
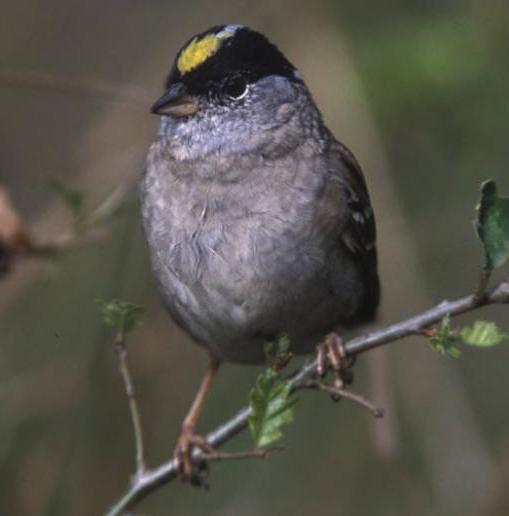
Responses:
[359,233]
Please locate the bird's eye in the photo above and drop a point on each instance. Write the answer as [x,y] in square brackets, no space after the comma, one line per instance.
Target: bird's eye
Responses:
[235,87]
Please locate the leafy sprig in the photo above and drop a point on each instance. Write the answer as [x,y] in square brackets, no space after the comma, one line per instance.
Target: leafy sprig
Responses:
[482,334]
[271,407]
[122,316]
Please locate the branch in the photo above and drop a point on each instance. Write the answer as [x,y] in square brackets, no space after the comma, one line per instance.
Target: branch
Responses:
[338,392]
[17,243]
[121,349]
[81,86]
[152,479]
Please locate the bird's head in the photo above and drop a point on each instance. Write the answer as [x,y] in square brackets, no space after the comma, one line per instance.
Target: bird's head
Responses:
[231,90]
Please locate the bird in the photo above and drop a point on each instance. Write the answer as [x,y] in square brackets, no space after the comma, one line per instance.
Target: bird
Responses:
[258,220]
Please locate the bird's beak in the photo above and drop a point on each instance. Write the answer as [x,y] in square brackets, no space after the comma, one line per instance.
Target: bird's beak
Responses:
[176,102]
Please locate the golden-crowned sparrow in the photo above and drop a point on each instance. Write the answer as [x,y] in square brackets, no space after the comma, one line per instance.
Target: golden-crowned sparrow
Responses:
[258,220]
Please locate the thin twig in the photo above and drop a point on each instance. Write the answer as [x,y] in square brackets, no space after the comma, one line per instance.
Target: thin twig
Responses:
[130,95]
[17,244]
[121,349]
[66,242]
[484,279]
[45,251]
[257,453]
[166,472]
[344,393]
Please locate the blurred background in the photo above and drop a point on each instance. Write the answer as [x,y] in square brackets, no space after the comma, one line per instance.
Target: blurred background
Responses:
[418,90]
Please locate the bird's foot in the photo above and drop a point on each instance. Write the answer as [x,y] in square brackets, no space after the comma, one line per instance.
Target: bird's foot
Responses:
[188,468]
[331,356]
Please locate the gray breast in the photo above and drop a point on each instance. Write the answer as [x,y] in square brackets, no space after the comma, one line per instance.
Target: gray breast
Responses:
[240,258]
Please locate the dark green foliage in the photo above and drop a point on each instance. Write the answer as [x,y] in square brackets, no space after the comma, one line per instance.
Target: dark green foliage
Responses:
[492,226]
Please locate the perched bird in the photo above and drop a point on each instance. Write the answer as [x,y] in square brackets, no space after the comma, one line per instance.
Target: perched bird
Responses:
[258,220]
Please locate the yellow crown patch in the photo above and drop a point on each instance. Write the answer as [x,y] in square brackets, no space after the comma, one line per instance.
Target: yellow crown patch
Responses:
[199,50]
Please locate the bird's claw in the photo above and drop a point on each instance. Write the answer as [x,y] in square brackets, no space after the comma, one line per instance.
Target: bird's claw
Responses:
[188,468]
[331,355]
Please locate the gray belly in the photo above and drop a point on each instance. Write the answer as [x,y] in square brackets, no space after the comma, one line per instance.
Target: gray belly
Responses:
[235,285]
[241,262]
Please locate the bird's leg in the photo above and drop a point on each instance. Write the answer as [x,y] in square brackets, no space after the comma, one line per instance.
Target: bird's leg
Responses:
[331,355]
[189,438]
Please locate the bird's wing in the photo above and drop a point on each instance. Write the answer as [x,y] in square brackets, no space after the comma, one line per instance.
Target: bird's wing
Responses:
[359,231]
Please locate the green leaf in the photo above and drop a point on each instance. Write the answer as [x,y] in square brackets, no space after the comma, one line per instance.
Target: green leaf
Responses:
[120,315]
[271,407]
[492,225]
[73,199]
[482,334]
[445,339]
